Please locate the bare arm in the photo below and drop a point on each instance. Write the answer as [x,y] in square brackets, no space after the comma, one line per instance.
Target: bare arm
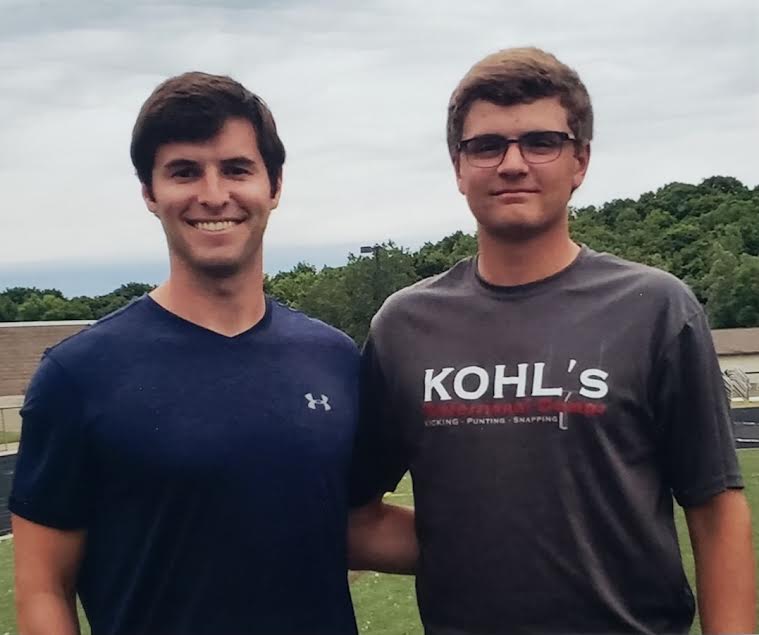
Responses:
[47,561]
[720,532]
[382,538]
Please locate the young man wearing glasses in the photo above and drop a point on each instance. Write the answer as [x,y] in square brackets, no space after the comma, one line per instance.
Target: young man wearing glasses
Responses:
[550,400]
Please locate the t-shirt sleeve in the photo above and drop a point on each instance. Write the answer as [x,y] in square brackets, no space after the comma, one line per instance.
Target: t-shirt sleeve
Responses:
[693,408]
[380,458]
[50,484]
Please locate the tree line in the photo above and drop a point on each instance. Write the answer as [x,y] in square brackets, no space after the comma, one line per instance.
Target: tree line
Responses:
[705,234]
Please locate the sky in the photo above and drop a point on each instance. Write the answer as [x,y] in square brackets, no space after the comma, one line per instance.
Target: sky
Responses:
[359,92]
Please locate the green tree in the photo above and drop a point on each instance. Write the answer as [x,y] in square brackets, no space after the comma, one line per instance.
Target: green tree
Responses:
[370,280]
[705,234]
[674,198]
[102,305]
[132,290]
[290,287]
[32,308]
[732,289]
[723,184]
[747,288]
[8,309]
[434,258]
[19,295]
[327,298]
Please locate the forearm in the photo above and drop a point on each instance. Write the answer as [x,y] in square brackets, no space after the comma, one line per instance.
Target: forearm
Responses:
[726,589]
[725,569]
[47,613]
[383,538]
[47,561]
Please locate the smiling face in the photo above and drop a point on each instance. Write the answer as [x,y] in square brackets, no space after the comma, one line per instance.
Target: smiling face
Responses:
[516,200]
[213,199]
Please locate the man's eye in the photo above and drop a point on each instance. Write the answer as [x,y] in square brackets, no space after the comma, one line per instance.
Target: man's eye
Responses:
[237,170]
[541,141]
[486,145]
[183,173]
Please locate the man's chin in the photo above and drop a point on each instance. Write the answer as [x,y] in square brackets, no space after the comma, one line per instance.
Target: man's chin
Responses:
[219,269]
[515,231]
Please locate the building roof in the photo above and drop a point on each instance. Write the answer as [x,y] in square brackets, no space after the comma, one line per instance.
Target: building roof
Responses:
[736,341]
[21,348]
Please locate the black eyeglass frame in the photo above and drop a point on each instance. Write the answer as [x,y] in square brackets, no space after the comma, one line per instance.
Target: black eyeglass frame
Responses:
[491,162]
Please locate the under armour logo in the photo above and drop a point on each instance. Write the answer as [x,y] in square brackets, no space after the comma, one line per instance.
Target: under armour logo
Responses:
[323,402]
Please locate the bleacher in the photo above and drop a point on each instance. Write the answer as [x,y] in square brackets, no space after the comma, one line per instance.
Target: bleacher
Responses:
[746,427]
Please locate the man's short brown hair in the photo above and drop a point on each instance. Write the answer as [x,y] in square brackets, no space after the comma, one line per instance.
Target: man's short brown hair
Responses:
[520,76]
[193,107]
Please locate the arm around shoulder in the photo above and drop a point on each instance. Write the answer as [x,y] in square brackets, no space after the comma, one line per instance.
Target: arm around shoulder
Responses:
[382,537]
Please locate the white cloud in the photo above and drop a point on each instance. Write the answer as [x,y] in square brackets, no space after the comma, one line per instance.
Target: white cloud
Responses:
[359,94]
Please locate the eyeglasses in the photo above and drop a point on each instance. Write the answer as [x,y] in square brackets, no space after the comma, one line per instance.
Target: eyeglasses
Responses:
[488,150]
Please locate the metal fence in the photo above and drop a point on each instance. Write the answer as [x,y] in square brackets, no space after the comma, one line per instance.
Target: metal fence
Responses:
[10,422]
[745,422]
[746,427]
[7,464]
[10,429]
[742,387]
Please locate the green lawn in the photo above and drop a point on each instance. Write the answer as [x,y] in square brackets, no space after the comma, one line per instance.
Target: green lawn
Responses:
[385,604]
[7,617]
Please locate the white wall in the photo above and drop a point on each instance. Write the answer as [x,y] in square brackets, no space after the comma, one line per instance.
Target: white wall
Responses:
[10,419]
[746,363]
[749,364]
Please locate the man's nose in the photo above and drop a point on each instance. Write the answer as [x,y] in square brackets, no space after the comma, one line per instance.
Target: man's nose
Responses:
[213,192]
[512,162]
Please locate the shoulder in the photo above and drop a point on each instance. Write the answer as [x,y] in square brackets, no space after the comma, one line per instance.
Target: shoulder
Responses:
[646,285]
[66,366]
[423,295]
[297,327]
[93,343]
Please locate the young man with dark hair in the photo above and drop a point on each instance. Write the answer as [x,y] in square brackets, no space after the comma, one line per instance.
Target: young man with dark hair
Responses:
[183,462]
[550,400]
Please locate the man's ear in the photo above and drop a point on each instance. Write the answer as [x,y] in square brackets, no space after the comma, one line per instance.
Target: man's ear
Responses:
[277,193]
[147,196]
[582,159]
[457,172]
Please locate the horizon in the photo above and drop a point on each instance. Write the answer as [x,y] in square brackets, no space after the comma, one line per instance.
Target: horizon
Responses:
[92,278]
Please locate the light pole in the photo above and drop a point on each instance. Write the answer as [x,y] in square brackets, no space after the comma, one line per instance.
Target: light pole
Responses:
[374,249]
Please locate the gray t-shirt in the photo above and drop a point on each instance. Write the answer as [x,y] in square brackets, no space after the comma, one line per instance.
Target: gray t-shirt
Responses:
[546,428]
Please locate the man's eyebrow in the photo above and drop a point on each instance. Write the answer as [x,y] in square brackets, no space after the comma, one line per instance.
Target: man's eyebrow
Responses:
[179,163]
[241,160]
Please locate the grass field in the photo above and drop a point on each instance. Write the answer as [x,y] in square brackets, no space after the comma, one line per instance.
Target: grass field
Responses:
[386,604]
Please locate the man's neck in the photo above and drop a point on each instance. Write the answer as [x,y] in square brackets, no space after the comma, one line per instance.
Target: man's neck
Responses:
[511,263]
[228,306]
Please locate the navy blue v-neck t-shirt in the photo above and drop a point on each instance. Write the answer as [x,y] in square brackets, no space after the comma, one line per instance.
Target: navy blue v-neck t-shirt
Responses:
[209,472]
